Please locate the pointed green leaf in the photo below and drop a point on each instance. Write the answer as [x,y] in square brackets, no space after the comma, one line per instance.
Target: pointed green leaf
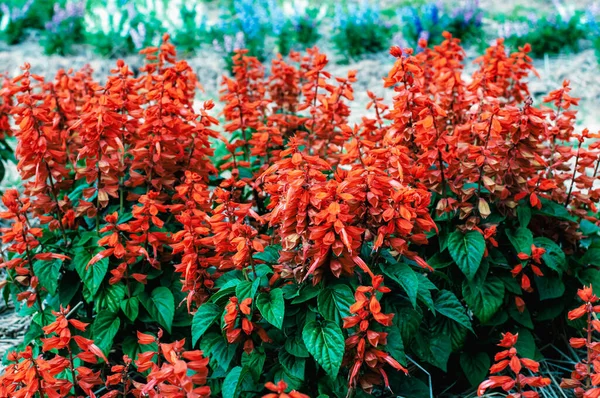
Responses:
[467,251]
[205,316]
[325,342]
[484,300]
[334,302]
[272,307]
[161,306]
[448,305]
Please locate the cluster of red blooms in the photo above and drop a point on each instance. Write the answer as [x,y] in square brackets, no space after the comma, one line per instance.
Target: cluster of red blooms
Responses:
[516,384]
[131,159]
[585,379]
[363,346]
[246,328]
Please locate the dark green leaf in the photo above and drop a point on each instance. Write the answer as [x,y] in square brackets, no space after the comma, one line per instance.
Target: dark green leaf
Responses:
[484,300]
[247,289]
[205,316]
[403,275]
[105,328]
[48,273]
[270,255]
[448,305]
[554,257]
[325,342]
[131,308]
[232,385]
[295,346]
[467,251]
[294,366]
[524,215]
[395,345]
[521,239]
[475,366]
[549,286]
[272,307]
[334,302]
[220,352]
[521,317]
[93,275]
[553,209]
[161,306]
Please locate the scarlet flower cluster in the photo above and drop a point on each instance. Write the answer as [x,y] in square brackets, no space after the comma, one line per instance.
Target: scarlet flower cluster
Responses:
[585,379]
[517,383]
[140,215]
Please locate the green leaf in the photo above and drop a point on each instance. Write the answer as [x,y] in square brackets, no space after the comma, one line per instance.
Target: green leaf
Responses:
[553,209]
[93,276]
[434,349]
[232,385]
[467,251]
[404,275]
[161,306]
[424,294]
[307,292]
[105,328]
[591,256]
[255,362]
[521,317]
[272,307]
[109,297]
[131,308]
[475,366]
[219,351]
[270,255]
[526,344]
[205,316]
[295,346]
[524,215]
[334,302]
[48,273]
[132,347]
[554,257]
[395,345]
[448,305]
[549,286]
[484,300]
[247,289]
[590,276]
[293,365]
[521,239]
[325,342]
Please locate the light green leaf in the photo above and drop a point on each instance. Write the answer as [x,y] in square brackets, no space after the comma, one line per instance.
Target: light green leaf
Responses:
[232,385]
[93,276]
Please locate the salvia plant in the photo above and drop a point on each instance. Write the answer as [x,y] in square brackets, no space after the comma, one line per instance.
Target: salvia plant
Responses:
[289,253]
[359,28]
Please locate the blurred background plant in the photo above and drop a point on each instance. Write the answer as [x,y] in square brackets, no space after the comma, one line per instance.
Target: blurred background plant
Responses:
[14,21]
[108,29]
[65,28]
[360,29]
[428,21]
[560,31]
[191,28]
[249,22]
